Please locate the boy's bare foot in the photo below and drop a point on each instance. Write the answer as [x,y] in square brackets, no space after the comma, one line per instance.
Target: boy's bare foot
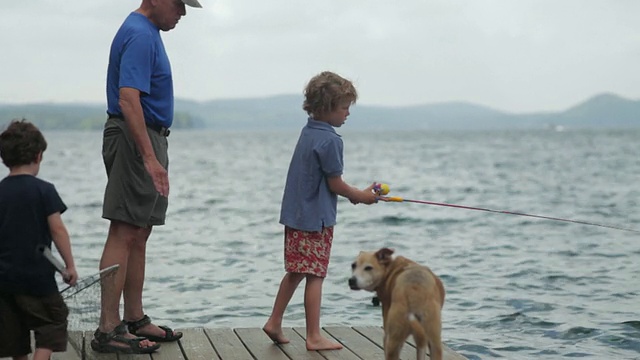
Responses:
[321,343]
[276,335]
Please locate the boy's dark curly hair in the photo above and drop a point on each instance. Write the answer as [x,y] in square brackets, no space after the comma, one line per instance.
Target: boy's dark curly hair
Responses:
[21,143]
[326,91]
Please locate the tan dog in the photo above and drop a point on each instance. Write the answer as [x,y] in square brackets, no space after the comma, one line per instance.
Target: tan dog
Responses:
[412,298]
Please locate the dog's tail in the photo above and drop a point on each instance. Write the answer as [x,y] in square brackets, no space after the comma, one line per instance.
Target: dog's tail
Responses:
[419,336]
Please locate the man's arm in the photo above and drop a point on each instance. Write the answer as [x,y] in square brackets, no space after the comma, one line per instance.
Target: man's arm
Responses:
[132,111]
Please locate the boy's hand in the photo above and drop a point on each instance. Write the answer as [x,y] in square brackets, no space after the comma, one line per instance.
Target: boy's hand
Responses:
[70,276]
[368,196]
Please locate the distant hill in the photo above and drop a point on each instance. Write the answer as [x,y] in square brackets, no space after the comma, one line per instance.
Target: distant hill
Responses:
[603,110]
[285,112]
[74,116]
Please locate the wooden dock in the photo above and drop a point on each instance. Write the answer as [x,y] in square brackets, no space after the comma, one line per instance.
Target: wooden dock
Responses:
[360,342]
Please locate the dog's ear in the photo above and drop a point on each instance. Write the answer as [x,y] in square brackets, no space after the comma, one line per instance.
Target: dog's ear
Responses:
[384,255]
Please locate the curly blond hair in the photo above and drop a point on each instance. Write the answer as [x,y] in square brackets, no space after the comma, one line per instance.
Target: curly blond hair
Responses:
[326,91]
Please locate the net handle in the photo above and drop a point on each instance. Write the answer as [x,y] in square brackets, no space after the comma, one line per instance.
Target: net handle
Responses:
[46,252]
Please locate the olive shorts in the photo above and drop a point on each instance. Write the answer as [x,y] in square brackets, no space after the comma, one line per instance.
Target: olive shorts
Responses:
[46,316]
[130,195]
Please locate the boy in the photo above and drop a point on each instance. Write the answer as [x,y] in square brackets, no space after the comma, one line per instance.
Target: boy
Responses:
[309,204]
[30,211]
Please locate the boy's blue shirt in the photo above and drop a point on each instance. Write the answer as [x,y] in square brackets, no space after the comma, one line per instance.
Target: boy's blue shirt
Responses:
[138,60]
[308,204]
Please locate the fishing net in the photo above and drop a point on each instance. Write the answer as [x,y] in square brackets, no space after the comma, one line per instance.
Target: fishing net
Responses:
[83,299]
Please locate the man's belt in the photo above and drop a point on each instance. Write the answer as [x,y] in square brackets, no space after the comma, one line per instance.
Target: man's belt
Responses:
[164,131]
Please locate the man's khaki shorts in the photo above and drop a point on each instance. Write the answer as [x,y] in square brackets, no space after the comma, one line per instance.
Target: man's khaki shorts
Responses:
[130,195]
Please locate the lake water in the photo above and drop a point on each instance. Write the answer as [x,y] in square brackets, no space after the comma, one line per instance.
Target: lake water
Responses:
[517,287]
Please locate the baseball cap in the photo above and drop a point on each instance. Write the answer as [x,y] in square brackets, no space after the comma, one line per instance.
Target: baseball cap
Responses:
[192,3]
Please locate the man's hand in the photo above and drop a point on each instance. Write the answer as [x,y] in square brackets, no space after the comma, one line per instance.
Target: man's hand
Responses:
[159,175]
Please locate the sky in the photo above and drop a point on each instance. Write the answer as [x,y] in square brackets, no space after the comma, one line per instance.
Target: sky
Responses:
[511,55]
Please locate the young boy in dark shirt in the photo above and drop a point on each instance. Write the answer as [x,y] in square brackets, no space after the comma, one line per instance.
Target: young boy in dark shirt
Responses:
[30,210]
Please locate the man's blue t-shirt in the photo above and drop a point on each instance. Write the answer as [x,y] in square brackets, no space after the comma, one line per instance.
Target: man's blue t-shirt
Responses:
[308,204]
[138,60]
[26,202]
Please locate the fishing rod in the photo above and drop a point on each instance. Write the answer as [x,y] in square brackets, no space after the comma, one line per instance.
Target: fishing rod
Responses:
[383,189]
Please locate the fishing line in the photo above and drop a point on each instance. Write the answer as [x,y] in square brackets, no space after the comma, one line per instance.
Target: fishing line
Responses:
[383,189]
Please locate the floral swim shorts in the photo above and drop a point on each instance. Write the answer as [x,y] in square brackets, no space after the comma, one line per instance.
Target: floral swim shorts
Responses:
[307,252]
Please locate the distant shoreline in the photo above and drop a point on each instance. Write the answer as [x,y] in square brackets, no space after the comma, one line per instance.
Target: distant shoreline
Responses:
[284,112]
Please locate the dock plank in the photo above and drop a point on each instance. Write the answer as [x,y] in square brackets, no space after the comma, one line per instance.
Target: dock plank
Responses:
[227,344]
[447,352]
[168,351]
[297,347]
[375,332]
[344,354]
[355,342]
[376,335]
[132,356]
[89,354]
[196,345]
[259,344]
[361,342]
[74,348]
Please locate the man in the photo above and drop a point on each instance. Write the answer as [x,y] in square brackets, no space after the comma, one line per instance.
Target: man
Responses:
[140,108]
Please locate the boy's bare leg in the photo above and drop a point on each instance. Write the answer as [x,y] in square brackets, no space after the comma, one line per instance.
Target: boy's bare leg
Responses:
[312,301]
[273,327]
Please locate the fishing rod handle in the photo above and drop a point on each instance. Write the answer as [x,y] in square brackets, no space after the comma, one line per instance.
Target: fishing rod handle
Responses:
[392,198]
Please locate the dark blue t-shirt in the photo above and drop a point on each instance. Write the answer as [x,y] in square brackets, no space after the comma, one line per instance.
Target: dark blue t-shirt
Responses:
[25,204]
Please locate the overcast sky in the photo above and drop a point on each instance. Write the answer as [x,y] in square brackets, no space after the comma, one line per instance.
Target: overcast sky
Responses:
[512,55]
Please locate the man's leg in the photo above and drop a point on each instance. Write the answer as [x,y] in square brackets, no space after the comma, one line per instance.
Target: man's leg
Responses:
[118,249]
[134,284]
